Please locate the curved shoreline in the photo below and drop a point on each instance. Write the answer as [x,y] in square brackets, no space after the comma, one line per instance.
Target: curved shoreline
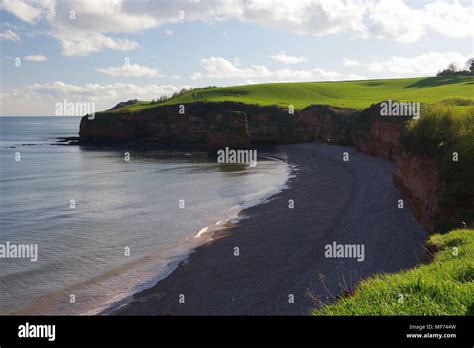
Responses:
[180,251]
[281,250]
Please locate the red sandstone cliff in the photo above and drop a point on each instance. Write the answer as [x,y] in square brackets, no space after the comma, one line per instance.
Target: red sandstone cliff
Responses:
[239,125]
[418,180]
[322,123]
[230,129]
[383,140]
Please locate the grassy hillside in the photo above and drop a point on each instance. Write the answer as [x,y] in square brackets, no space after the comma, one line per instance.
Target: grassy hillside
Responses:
[443,287]
[350,94]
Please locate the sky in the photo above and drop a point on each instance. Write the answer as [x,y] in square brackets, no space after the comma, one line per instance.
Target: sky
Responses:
[107,51]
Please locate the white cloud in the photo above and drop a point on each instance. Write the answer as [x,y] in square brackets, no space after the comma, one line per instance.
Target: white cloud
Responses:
[82,43]
[386,19]
[306,75]
[105,16]
[169,32]
[424,64]
[316,17]
[452,20]
[220,68]
[217,67]
[9,35]
[195,76]
[35,58]
[282,57]
[131,70]
[351,62]
[393,20]
[40,99]
[27,11]
[354,77]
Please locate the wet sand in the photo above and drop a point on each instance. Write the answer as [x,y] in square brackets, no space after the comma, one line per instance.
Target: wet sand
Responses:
[282,250]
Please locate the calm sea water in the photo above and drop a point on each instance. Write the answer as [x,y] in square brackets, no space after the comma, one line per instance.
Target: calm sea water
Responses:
[119,206]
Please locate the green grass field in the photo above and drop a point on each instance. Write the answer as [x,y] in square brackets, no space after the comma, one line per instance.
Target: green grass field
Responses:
[350,94]
[444,286]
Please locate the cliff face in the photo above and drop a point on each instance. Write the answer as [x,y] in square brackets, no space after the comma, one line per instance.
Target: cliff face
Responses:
[378,135]
[321,123]
[206,123]
[230,129]
[166,127]
[383,140]
[417,178]
[217,125]
[103,130]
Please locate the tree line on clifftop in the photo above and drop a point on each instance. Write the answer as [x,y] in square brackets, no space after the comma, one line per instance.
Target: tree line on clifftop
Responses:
[453,69]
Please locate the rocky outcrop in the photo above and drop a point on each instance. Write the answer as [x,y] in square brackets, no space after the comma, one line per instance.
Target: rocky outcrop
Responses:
[167,126]
[199,123]
[417,178]
[230,129]
[322,123]
[378,135]
[383,140]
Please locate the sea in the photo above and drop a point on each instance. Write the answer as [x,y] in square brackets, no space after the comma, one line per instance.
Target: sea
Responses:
[106,227]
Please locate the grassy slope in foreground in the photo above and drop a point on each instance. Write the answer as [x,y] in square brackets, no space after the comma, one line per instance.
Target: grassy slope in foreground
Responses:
[443,287]
[350,94]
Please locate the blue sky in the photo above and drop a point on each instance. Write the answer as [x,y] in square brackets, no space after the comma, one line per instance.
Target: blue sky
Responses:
[110,51]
